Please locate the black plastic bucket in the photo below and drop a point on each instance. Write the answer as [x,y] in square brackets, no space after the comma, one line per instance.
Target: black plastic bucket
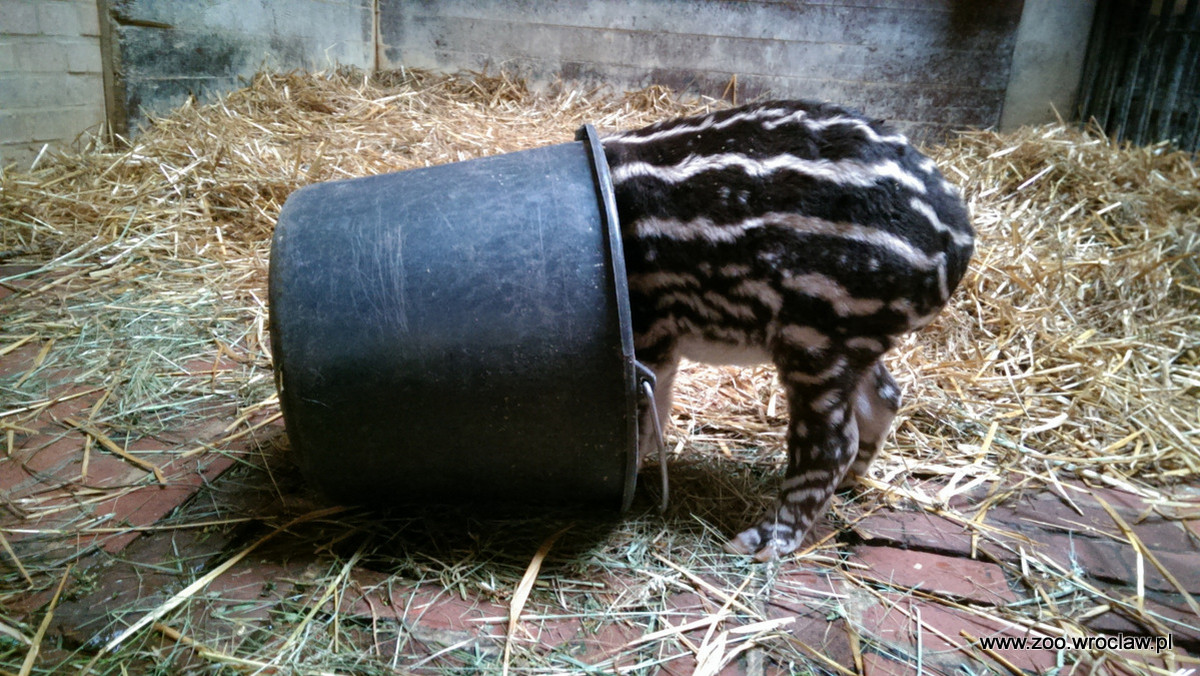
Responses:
[459,333]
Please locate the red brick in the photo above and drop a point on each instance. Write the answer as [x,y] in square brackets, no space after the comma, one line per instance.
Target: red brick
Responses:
[12,476]
[206,365]
[414,647]
[686,665]
[209,429]
[1115,561]
[54,459]
[373,595]
[1124,501]
[106,470]
[1047,511]
[243,597]
[142,507]
[770,668]
[120,588]
[806,583]
[147,504]
[29,608]
[1193,526]
[605,642]
[433,606]
[875,664]
[547,635]
[946,575]
[366,596]
[920,530]
[11,286]
[1170,609]
[52,456]
[889,625]
[19,361]
[76,407]
[1162,535]
[1177,662]
[806,596]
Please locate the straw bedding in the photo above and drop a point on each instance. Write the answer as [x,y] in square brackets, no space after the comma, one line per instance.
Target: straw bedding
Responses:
[1076,332]
[1072,348]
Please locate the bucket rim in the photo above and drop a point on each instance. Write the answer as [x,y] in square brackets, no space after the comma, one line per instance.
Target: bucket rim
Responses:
[612,226]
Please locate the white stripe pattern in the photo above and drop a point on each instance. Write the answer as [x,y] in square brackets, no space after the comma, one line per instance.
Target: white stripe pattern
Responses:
[820,125]
[661,280]
[826,401]
[695,229]
[960,238]
[866,343]
[704,229]
[829,290]
[709,122]
[690,301]
[842,172]
[743,312]
[760,291]
[804,479]
[834,370]
[805,337]
[916,321]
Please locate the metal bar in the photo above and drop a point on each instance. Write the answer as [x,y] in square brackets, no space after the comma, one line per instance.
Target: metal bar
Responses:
[1184,44]
[116,112]
[1115,46]
[1093,62]
[1190,125]
[1150,85]
[1132,71]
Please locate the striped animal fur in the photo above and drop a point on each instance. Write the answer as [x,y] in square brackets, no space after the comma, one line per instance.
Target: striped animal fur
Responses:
[794,233]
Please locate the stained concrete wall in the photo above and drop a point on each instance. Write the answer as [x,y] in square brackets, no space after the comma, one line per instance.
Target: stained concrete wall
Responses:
[51,86]
[54,54]
[167,50]
[1047,61]
[929,65]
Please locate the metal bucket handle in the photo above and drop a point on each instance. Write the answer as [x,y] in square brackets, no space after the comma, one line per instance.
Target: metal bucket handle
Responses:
[638,377]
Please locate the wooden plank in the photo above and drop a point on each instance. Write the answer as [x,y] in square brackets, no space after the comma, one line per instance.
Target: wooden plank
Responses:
[115,111]
[907,62]
[1094,62]
[909,107]
[1186,60]
[940,63]
[1151,87]
[1132,69]
[988,28]
[1189,133]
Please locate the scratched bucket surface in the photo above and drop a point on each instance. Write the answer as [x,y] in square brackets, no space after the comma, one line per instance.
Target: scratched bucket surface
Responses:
[459,333]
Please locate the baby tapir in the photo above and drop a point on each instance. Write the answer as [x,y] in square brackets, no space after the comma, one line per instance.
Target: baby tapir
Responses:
[794,233]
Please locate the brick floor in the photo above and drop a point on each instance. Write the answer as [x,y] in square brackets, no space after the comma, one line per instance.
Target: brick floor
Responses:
[1169,608]
[42,481]
[52,506]
[932,633]
[950,576]
[911,581]
[919,530]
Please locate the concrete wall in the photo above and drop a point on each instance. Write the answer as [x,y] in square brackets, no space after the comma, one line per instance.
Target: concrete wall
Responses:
[929,65]
[51,86]
[166,50]
[1047,61]
[156,53]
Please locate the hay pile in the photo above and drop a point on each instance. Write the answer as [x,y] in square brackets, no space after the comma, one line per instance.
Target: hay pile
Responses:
[1072,348]
[175,230]
[1072,344]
